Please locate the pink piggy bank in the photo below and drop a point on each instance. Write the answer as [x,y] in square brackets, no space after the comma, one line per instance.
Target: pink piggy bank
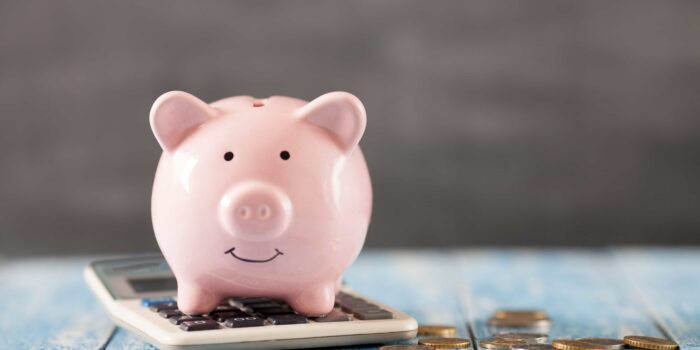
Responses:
[256,197]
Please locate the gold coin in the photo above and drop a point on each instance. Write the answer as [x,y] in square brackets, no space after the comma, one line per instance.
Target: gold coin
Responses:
[405,347]
[568,344]
[535,314]
[445,343]
[500,343]
[518,321]
[608,343]
[651,343]
[529,338]
[436,330]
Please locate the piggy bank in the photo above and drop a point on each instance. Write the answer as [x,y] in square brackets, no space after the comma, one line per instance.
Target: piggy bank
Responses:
[260,197]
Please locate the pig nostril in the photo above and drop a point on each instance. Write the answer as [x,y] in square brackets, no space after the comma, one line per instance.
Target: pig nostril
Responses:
[244,212]
[264,212]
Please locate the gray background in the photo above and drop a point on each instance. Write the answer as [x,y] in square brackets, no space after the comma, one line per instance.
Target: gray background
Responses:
[490,122]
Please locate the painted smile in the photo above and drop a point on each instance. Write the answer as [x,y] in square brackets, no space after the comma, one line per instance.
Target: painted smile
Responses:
[230,252]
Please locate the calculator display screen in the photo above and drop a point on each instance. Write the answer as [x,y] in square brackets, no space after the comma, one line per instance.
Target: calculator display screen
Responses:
[152,284]
[136,277]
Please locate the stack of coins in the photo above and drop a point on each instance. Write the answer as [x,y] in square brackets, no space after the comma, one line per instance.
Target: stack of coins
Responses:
[436,330]
[438,337]
[445,343]
[519,318]
[534,341]
[443,337]
[511,340]
[650,343]
[629,342]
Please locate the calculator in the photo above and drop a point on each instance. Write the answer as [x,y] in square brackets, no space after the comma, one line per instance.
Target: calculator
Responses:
[139,295]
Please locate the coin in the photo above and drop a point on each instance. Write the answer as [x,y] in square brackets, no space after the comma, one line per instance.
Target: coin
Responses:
[445,343]
[608,343]
[436,330]
[534,314]
[519,321]
[405,347]
[533,347]
[529,338]
[651,343]
[500,343]
[568,344]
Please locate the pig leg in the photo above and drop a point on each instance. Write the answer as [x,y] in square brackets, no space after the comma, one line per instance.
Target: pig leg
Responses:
[194,301]
[315,301]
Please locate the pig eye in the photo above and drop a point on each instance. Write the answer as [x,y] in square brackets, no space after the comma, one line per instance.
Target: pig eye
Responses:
[284,155]
[228,156]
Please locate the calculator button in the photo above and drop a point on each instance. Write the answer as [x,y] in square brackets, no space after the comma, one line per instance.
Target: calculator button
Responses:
[352,302]
[274,311]
[225,308]
[176,320]
[366,307]
[268,305]
[147,302]
[287,319]
[223,316]
[198,325]
[377,314]
[254,300]
[163,306]
[336,315]
[248,321]
[168,313]
[353,308]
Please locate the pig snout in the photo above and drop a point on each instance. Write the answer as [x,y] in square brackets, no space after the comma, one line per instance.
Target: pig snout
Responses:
[255,211]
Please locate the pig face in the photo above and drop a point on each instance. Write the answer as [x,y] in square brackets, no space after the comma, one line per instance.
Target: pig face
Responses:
[259,197]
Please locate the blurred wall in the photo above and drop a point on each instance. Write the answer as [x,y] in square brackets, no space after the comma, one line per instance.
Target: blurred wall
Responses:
[490,122]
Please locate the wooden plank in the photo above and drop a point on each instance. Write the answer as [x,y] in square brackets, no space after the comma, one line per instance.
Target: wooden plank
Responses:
[46,305]
[418,283]
[123,340]
[668,282]
[582,291]
[585,293]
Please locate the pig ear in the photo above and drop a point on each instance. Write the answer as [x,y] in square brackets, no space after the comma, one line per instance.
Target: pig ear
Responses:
[340,113]
[174,115]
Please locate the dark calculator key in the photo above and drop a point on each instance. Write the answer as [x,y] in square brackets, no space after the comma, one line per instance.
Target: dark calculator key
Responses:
[267,305]
[163,306]
[356,308]
[366,307]
[246,301]
[378,314]
[225,308]
[275,311]
[223,316]
[334,316]
[246,321]
[176,320]
[354,302]
[168,313]
[199,325]
[287,319]
[348,298]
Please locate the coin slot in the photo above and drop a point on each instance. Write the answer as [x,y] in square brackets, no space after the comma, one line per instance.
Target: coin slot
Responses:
[258,103]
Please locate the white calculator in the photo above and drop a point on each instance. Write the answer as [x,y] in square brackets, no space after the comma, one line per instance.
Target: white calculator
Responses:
[139,295]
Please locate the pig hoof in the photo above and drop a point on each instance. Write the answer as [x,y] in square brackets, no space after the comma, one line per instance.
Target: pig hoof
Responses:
[194,301]
[316,301]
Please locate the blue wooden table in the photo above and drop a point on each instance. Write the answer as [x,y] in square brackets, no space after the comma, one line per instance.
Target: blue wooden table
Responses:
[609,293]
